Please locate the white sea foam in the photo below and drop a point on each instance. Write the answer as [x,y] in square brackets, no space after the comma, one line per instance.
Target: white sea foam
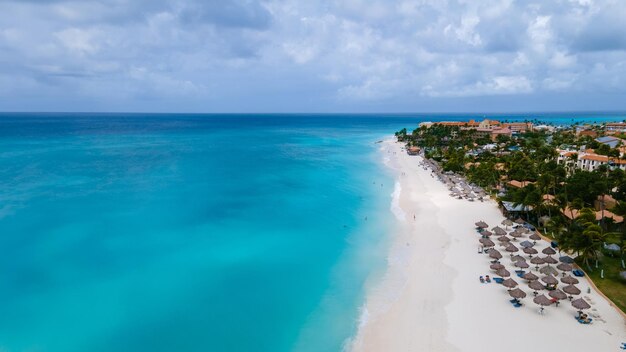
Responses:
[395,202]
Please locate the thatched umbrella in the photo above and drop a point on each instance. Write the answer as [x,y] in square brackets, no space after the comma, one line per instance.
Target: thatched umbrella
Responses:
[517,258]
[571,290]
[516,234]
[530,276]
[549,260]
[526,244]
[543,301]
[548,270]
[536,285]
[482,225]
[510,283]
[486,242]
[565,267]
[498,231]
[503,272]
[535,237]
[496,266]
[517,293]
[507,222]
[486,233]
[570,280]
[566,259]
[550,280]
[558,294]
[494,254]
[530,251]
[580,304]
[548,251]
[519,221]
[511,248]
[537,261]
[504,239]
[521,264]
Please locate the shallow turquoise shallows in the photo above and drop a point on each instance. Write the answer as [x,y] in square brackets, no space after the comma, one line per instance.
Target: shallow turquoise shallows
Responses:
[191,232]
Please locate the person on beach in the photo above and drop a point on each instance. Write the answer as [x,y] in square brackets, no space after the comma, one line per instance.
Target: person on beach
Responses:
[487,278]
[482,279]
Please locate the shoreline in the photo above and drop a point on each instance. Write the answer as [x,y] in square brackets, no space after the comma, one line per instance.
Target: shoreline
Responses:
[430,297]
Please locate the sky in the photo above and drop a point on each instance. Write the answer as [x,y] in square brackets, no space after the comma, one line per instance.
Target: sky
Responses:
[312,56]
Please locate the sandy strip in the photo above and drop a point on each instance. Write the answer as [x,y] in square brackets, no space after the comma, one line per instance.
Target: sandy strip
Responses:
[430,298]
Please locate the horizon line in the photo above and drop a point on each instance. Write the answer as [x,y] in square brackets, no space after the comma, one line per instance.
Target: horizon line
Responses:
[326,113]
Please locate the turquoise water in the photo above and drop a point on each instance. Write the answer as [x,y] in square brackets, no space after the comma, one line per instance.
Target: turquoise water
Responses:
[191,232]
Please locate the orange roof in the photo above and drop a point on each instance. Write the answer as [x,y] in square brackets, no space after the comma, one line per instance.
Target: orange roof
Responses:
[458,123]
[573,214]
[519,184]
[602,158]
[501,131]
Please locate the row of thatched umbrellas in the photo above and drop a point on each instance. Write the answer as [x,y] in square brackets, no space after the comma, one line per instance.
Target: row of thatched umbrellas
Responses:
[534,283]
[457,184]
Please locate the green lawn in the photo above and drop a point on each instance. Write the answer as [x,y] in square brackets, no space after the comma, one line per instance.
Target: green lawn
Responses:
[612,286]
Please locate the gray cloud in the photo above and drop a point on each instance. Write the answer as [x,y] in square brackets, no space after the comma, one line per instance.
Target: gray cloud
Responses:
[290,55]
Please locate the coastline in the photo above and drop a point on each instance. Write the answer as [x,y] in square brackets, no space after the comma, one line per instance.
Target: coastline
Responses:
[430,297]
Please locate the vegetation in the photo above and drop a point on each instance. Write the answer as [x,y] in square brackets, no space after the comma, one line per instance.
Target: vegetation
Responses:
[553,189]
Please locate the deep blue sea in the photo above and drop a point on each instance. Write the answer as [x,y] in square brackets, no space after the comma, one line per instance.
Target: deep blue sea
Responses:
[139,232]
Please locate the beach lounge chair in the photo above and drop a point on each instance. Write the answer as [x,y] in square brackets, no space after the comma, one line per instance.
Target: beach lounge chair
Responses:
[578,273]
[498,280]
[520,273]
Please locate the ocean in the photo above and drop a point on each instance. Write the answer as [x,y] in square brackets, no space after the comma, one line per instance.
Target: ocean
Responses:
[174,232]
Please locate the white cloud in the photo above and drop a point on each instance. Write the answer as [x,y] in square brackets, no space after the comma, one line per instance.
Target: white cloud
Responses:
[308,53]
[79,40]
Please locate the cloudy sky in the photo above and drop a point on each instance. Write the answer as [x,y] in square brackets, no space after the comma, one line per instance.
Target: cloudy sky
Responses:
[312,56]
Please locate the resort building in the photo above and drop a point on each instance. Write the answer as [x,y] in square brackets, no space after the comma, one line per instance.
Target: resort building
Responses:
[584,132]
[490,124]
[605,202]
[518,127]
[413,150]
[470,123]
[610,141]
[518,184]
[573,214]
[590,162]
[615,127]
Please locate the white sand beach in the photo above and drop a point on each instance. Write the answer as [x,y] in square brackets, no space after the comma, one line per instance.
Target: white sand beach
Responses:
[431,299]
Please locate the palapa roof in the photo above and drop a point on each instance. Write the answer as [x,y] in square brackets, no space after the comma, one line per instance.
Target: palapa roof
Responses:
[570,280]
[558,294]
[517,293]
[530,276]
[580,304]
[510,283]
[550,280]
[542,300]
[571,289]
